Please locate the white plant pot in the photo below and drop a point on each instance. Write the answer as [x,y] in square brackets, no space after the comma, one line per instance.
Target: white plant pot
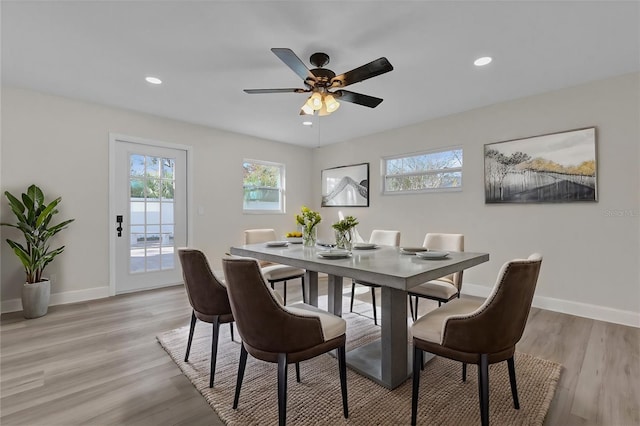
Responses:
[35,299]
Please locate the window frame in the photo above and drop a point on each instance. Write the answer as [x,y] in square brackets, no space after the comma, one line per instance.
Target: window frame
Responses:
[384,175]
[281,189]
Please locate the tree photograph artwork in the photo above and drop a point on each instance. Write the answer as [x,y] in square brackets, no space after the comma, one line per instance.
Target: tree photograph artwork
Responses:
[559,167]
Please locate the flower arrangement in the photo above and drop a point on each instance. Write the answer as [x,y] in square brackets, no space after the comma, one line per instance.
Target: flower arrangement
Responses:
[308,219]
[344,232]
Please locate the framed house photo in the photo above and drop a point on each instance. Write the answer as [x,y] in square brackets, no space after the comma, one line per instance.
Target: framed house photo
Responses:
[346,186]
[553,168]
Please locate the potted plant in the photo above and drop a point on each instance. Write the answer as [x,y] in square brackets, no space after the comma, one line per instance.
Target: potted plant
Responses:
[34,221]
[308,219]
[344,232]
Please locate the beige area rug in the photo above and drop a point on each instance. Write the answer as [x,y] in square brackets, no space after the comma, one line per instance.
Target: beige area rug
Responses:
[444,398]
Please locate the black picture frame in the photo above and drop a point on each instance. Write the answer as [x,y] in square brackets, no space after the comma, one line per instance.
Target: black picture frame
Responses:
[346,186]
[552,168]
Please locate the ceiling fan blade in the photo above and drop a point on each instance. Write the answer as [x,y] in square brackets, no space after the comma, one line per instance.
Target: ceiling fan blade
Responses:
[292,61]
[358,98]
[258,91]
[372,69]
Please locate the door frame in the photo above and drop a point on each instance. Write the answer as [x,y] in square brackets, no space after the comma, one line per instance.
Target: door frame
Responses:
[114,138]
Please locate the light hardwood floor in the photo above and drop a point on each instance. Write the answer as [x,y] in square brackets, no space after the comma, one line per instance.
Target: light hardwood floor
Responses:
[98,363]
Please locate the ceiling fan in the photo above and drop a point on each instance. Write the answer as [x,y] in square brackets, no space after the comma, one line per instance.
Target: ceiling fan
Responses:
[321,81]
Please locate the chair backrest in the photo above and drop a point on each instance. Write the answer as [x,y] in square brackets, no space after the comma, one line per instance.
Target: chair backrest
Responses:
[265,326]
[498,324]
[447,242]
[207,295]
[385,238]
[255,236]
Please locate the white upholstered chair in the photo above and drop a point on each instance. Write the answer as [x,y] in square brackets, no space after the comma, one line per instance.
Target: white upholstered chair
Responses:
[383,238]
[274,272]
[443,289]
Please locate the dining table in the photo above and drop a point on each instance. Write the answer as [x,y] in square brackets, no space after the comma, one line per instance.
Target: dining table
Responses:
[387,360]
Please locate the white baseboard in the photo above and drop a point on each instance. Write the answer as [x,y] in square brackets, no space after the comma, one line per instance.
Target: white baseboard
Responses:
[600,313]
[14,305]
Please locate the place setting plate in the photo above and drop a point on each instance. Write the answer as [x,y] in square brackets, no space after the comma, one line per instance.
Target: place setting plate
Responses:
[277,243]
[413,250]
[432,254]
[364,246]
[334,254]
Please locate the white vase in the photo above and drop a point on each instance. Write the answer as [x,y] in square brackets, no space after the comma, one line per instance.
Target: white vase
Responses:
[35,299]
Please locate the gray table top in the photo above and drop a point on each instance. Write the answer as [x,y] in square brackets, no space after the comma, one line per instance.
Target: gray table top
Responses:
[385,265]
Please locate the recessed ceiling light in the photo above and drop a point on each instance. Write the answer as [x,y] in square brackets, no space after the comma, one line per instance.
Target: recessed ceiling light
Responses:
[307,123]
[153,80]
[482,61]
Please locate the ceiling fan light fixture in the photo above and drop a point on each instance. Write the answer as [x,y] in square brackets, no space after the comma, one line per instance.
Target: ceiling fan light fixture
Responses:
[315,101]
[330,103]
[306,109]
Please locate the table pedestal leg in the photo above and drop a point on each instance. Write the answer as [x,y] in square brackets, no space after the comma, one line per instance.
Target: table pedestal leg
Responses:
[311,287]
[334,301]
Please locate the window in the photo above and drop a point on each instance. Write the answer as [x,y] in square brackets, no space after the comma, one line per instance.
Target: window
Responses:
[423,172]
[263,185]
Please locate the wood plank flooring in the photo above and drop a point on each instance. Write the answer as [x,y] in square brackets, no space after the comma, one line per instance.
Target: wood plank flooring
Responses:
[98,363]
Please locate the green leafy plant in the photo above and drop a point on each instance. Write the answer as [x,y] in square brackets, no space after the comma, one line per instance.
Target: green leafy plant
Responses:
[345,224]
[308,218]
[34,218]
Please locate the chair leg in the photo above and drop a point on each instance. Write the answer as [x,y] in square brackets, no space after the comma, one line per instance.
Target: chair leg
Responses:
[464,371]
[353,293]
[282,389]
[373,300]
[422,360]
[342,367]
[439,303]
[241,365]
[231,329]
[214,348]
[483,389]
[298,372]
[512,380]
[415,308]
[417,362]
[304,296]
[191,330]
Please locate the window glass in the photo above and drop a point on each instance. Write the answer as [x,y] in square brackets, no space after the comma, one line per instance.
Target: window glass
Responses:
[421,172]
[263,186]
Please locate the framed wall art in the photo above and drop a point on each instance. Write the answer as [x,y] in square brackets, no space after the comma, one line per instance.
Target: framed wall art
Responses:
[346,186]
[552,168]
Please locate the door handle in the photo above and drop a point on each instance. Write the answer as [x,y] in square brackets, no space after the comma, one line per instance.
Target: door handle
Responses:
[119,222]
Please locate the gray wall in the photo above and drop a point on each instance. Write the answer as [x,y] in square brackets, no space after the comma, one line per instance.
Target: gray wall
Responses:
[591,253]
[62,145]
[591,250]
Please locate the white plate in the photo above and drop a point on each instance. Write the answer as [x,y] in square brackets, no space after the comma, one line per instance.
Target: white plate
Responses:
[294,240]
[364,246]
[277,243]
[334,254]
[432,254]
[412,250]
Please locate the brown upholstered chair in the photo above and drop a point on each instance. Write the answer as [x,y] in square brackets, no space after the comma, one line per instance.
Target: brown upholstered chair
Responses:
[274,272]
[208,298]
[280,334]
[443,289]
[479,332]
[384,238]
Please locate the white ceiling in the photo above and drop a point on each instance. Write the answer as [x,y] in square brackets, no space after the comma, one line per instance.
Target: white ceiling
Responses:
[206,52]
